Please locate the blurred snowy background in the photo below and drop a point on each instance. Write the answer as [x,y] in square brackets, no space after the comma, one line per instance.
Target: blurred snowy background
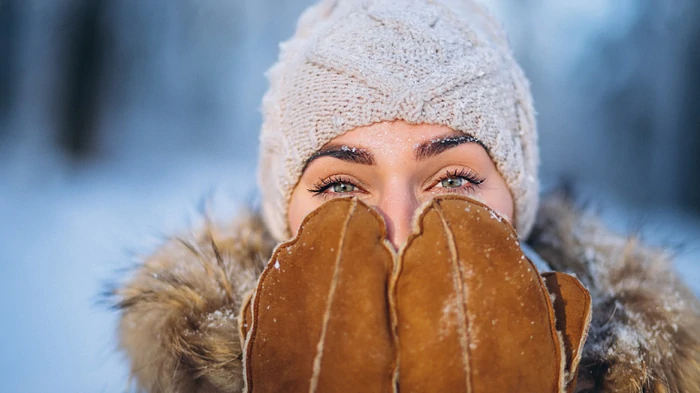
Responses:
[119,117]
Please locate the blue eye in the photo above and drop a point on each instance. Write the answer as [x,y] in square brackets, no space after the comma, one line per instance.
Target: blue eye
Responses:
[453,182]
[460,179]
[343,188]
[334,185]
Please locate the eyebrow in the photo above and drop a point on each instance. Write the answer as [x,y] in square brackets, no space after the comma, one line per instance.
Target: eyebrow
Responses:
[346,153]
[422,151]
[434,147]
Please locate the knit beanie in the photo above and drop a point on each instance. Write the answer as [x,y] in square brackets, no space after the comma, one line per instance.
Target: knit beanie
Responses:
[354,63]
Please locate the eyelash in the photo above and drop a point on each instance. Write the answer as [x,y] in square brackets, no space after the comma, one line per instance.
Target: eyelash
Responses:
[472,178]
[324,184]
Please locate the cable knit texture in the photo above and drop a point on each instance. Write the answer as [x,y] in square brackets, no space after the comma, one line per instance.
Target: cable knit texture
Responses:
[354,63]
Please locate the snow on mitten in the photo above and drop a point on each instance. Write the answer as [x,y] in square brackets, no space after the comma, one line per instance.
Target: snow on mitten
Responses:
[473,315]
[318,320]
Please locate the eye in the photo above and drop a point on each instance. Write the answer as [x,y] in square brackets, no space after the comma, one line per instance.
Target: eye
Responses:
[343,187]
[453,182]
[334,185]
[459,180]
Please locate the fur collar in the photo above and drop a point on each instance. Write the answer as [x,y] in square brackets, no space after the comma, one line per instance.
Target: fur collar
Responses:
[645,330]
[179,311]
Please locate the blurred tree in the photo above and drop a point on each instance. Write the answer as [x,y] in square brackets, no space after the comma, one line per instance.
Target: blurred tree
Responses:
[85,56]
[616,87]
[690,148]
[9,21]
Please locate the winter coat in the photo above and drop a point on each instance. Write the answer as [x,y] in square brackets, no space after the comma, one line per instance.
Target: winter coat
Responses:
[179,313]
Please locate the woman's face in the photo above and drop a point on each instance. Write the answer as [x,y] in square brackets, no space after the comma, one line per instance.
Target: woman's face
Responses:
[395,167]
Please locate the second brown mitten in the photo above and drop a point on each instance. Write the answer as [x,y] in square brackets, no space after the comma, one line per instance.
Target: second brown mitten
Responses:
[472,313]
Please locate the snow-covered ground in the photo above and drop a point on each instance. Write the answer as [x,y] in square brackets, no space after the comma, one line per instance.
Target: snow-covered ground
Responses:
[64,236]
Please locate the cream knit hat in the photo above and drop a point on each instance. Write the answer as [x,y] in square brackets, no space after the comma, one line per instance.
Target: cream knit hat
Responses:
[354,63]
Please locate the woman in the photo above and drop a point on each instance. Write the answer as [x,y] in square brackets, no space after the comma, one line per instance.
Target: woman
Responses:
[395,102]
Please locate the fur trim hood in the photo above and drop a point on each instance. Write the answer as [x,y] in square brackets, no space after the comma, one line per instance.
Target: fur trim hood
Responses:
[179,311]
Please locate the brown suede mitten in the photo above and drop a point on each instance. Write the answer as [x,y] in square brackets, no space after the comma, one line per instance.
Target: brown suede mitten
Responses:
[463,311]
[572,309]
[319,319]
[472,312]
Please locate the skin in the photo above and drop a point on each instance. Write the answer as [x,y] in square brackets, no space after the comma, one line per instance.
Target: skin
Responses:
[395,167]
